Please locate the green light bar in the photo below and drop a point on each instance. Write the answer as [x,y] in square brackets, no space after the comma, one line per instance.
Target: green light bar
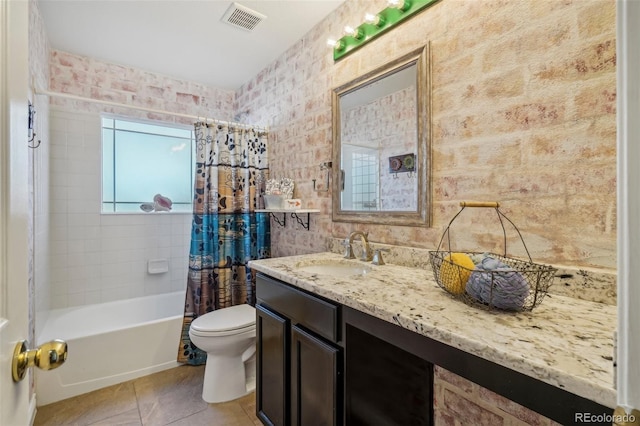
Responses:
[383,21]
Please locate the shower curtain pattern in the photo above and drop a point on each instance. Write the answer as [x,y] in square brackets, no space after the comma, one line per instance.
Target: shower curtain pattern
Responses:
[231,170]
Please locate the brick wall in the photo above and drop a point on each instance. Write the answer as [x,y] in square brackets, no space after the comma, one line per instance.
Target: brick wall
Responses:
[458,401]
[92,78]
[524,97]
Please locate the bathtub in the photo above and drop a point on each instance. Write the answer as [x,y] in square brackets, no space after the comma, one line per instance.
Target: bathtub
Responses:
[110,343]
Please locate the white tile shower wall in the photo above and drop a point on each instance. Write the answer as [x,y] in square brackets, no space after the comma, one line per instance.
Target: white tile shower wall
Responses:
[98,257]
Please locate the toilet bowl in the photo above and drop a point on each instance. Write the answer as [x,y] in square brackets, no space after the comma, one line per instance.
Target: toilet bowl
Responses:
[228,336]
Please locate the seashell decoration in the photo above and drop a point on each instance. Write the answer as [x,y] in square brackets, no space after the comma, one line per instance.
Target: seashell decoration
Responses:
[161,204]
[147,207]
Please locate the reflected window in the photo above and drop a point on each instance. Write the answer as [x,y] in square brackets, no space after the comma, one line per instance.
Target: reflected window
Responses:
[361,176]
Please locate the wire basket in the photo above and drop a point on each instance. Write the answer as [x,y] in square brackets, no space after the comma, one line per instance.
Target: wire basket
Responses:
[490,280]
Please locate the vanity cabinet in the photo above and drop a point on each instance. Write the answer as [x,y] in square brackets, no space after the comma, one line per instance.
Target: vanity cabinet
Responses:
[299,360]
[322,363]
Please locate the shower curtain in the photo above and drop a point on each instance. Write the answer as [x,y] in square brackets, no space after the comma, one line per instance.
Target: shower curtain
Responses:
[230,174]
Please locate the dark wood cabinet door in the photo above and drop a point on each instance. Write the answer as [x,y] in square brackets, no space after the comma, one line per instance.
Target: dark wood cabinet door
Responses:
[272,375]
[315,380]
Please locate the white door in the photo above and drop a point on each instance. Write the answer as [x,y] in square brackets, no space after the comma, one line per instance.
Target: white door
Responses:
[15,404]
[628,98]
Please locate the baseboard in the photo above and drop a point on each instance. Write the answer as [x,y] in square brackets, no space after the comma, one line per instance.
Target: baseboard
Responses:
[32,410]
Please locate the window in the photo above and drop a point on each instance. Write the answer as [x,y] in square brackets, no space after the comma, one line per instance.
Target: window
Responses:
[140,160]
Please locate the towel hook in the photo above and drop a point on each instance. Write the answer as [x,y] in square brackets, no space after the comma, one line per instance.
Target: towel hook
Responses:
[31,134]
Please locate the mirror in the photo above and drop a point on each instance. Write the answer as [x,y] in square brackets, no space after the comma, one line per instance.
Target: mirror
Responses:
[381,139]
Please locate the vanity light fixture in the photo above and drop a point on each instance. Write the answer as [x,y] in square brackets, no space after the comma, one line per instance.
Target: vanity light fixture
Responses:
[337,45]
[376,24]
[372,19]
[356,33]
[403,5]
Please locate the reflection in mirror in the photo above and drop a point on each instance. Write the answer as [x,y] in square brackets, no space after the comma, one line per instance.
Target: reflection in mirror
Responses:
[381,145]
[378,125]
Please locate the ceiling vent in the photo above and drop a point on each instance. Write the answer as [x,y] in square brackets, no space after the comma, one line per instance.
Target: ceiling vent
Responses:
[242,17]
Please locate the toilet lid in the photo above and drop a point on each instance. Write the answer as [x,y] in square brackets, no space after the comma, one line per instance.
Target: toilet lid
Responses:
[226,319]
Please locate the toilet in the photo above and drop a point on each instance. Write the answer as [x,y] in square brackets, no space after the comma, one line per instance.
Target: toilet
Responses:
[228,336]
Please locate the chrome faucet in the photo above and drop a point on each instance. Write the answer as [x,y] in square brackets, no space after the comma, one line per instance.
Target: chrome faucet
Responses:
[366,251]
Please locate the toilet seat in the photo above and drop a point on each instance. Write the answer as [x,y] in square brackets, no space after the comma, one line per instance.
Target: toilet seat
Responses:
[227,321]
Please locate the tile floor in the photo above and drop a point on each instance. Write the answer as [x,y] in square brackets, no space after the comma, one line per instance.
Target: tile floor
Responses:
[170,397]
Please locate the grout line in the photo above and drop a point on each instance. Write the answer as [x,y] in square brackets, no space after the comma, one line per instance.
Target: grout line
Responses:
[135,393]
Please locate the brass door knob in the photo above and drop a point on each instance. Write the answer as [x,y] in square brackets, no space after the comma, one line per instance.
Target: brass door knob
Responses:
[48,356]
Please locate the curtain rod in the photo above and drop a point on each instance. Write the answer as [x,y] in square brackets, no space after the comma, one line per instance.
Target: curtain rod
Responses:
[39,91]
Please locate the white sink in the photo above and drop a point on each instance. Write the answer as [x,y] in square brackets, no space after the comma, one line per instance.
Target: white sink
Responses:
[334,268]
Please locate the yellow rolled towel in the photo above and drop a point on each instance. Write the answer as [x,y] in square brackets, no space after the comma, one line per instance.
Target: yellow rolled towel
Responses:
[455,271]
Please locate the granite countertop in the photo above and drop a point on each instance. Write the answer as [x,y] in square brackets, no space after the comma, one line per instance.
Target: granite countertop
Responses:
[565,342]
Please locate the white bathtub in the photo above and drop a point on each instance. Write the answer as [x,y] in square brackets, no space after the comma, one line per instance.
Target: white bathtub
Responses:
[110,343]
